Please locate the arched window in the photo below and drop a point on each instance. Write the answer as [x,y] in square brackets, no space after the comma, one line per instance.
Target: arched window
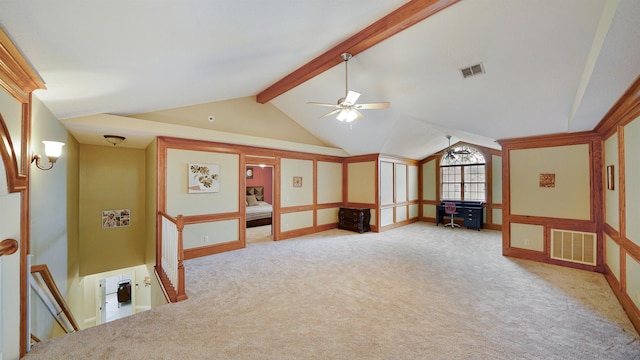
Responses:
[463,174]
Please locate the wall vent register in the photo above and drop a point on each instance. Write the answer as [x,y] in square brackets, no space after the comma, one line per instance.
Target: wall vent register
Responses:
[573,246]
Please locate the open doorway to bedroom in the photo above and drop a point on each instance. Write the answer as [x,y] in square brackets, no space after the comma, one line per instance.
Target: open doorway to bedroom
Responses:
[259,203]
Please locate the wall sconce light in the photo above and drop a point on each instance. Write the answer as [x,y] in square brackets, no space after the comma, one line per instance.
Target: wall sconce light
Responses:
[52,149]
[114,139]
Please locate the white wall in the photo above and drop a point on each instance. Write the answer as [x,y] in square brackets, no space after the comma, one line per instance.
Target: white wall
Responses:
[48,215]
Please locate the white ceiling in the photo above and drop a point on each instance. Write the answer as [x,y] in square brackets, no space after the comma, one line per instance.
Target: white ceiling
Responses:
[552,66]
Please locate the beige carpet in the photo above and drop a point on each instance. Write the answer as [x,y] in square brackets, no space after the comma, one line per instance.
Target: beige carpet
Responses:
[258,234]
[415,292]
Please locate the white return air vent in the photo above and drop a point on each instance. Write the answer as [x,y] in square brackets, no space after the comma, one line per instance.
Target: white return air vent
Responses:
[574,246]
[472,70]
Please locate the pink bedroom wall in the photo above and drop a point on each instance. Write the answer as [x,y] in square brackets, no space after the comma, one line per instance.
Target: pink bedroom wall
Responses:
[263,177]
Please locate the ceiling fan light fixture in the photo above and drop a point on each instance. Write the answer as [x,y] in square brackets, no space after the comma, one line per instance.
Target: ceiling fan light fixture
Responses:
[347,115]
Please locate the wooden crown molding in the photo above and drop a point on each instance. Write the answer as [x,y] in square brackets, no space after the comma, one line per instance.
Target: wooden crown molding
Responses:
[561,139]
[400,19]
[17,76]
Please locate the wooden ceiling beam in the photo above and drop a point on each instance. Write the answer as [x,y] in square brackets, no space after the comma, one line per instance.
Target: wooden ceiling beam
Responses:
[400,19]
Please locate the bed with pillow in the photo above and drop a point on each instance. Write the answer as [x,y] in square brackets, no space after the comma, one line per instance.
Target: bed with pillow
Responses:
[258,211]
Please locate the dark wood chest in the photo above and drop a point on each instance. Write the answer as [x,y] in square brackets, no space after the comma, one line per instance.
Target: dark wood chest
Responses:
[354,219]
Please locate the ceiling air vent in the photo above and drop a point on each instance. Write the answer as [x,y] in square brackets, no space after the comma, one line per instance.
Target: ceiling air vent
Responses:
[472,70]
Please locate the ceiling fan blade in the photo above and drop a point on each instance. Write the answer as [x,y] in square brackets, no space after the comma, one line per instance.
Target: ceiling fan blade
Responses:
[330,113]
[380,105]
[462,151]
[351,98]
[320,104]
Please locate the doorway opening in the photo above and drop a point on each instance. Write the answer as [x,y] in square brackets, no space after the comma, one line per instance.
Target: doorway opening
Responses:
[259,205]
[116,297]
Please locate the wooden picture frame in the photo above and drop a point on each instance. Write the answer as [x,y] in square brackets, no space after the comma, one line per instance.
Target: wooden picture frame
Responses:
[611,179]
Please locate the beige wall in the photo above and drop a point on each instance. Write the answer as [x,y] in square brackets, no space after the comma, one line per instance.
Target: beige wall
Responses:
[296,196]
[329,182]
[386,183]
[633,280]
[632,180]
[111,178]
[525,236]
[210,233]
[180,201]
[429,177]
[612,256]
[361,186]
[569,199]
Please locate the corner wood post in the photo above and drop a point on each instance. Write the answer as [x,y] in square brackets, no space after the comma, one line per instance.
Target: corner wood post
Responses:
[182,295]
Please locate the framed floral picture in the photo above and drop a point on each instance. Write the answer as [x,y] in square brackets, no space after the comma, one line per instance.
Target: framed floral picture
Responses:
[204,178]
[297,181]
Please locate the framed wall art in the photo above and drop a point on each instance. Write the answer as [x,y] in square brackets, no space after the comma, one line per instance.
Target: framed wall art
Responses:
[115,218]
[547,180]
[204,178]
[611,182]
[297,181]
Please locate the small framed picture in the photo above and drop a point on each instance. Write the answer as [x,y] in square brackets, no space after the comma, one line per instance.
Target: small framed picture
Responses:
[297,181]
[611,177]
[547,180]
[249,173]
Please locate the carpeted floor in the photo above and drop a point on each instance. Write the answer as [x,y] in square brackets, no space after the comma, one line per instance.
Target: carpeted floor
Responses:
[258,234]
[415,292]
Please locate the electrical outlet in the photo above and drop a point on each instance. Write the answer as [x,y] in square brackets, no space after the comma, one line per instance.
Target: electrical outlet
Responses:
[527,242]
[206,238]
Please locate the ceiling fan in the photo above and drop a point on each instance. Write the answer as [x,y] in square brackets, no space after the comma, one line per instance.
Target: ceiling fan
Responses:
[450,153]
[346,108]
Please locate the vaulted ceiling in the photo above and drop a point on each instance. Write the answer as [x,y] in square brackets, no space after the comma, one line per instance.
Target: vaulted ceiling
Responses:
[551,66]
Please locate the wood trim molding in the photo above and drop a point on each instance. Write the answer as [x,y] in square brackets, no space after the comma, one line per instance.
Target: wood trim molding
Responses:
[624,299]
[17,77]
[400,19]
[532,142]
[212,249]
[15,180]
[8,246]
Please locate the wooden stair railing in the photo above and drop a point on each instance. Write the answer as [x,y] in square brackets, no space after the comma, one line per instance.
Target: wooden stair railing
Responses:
[45,274]
[8,246]
[174,292]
